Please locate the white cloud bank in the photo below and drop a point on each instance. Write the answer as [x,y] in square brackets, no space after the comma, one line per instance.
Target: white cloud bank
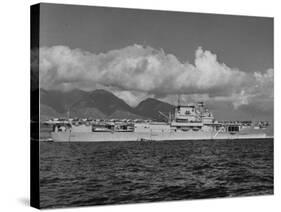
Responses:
[135,72]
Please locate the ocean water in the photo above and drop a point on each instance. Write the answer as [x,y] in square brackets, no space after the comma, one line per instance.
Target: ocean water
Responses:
[81,174]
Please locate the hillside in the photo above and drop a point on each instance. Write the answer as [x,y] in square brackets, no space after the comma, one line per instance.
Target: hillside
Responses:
[151,108]
[99,104]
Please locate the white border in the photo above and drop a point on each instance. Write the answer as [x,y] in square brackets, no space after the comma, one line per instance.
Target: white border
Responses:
[14,148]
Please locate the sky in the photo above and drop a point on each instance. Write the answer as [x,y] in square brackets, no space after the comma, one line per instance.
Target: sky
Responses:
[226,61]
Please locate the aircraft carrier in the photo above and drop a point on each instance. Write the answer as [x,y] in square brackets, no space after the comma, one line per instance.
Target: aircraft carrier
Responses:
[187,122]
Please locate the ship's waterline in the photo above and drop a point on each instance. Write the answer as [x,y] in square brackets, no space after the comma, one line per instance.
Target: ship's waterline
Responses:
[132,136]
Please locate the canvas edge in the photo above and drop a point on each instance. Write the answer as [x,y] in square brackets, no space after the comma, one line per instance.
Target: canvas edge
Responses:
[34,109]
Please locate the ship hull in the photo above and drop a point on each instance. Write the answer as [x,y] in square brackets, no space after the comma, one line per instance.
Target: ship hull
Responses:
[133,136]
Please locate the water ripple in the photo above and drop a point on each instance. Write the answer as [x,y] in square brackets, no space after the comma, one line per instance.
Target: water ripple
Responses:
[78,174]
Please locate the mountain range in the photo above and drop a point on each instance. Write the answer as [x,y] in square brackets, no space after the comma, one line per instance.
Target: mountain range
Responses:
[98,104]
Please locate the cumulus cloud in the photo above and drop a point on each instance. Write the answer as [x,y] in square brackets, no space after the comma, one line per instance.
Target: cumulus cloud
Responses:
[135,68]
[135,72]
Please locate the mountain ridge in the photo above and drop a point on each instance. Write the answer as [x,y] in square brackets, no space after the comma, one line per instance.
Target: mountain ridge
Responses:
[98,103]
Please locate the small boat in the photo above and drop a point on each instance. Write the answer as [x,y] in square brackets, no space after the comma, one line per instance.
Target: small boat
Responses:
[145,140]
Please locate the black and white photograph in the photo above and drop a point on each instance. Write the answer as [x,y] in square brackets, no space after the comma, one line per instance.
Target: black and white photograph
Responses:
[137,106]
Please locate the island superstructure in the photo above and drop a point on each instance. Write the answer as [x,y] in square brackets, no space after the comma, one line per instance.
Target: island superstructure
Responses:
[187,122]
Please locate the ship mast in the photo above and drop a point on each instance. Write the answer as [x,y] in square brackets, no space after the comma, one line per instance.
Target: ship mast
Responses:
[179,100]
[68,112]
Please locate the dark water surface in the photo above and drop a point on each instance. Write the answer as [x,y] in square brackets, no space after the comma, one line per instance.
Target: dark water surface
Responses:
[76,174]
